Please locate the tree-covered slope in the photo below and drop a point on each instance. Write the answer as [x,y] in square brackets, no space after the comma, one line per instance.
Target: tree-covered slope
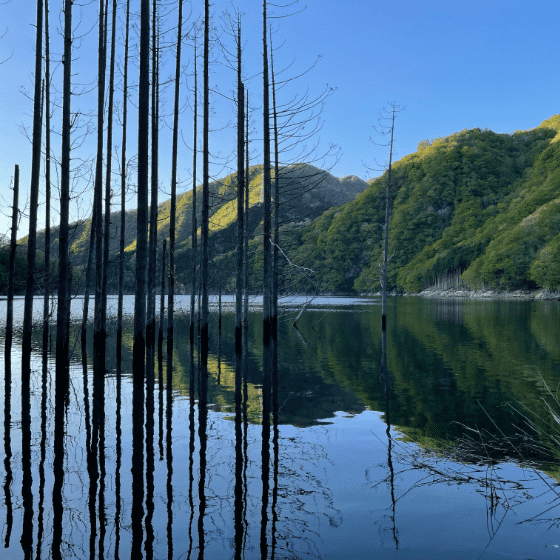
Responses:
[476,205]
[306,192]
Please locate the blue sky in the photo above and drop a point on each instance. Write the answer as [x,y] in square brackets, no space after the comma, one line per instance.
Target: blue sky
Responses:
[452,65]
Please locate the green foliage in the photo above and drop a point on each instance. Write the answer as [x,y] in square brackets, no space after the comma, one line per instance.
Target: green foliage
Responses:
[474,203]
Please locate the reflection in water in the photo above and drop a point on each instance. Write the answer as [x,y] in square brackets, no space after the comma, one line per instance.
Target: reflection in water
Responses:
[27,478]
[7,439]
[384,375]
[269,467]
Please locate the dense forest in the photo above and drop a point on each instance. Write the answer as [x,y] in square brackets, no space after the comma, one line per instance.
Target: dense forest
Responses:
[475,208]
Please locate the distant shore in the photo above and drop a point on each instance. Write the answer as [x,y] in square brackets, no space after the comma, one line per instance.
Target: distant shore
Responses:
[542,294]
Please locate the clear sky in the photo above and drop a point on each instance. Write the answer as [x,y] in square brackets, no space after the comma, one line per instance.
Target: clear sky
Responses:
[452,65]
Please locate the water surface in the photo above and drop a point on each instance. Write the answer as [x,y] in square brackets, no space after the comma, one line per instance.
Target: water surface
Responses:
[452,455]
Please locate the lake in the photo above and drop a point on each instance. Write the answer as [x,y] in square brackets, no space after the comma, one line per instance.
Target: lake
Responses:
[453,454]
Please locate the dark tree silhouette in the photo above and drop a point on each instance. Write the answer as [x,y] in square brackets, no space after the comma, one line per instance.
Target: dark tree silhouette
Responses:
[47,264]
[173,207]
[34,200]
[123,186]
[63,312]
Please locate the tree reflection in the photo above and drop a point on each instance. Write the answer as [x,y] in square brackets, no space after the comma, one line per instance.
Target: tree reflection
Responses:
[8,437]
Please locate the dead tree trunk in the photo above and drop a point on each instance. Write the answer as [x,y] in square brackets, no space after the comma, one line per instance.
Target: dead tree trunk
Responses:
[240,197]
[34,200]
[162,298]
[123,187]
[47,265]
[62,319]
[173,208]
[205,208]
[194,240]
[246,225]
[139,345]
[107,233]
[267,255]
[386,228]
[152,251]
[98,333]
[12,262]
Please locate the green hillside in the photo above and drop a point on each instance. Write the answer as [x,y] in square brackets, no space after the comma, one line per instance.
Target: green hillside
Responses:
[306,192]
[477,207]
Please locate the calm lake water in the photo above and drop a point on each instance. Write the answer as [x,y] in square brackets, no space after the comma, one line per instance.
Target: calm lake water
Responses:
[453,455]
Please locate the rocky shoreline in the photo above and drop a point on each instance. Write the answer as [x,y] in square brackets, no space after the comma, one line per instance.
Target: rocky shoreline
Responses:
[486,293]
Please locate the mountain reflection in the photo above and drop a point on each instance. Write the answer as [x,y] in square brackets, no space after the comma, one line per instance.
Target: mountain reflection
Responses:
[242,461]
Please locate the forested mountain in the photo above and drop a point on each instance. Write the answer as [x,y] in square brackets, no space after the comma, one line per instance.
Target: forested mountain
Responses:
[476,207]
[306,192]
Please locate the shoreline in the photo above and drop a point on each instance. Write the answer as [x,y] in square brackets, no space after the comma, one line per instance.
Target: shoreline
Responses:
[543,294]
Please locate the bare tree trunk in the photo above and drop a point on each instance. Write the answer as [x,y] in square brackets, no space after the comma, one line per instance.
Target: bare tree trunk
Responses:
[267,255]
[240,197]
[194,240]
[47,266]
[123,187]
[62,319]
[152,251]
[107,233]
[246,226]
[34,201]
[162,297]
[276,224]
[89,271]
[386,229]
[139,346]
[98,333]
[173,209]
[205,209]
[267,288]
[12,263]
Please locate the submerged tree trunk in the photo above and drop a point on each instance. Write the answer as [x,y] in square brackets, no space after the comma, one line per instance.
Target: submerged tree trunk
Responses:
[139,344]
[47,265]
[267,293]
[194,240]
[205,208]
[123,187]
[162,298]
[152,251]
[276,223]
[107,233]
[34,197]
[386,229]
[98,322]
[142,204]
[173,208]
[12,263]
[246,225]
[62,319]
[240,197]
